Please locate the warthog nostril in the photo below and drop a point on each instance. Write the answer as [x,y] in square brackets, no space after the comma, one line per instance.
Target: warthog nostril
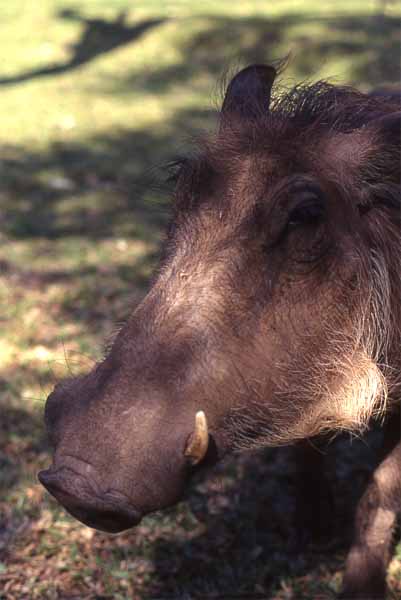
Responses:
[110,511]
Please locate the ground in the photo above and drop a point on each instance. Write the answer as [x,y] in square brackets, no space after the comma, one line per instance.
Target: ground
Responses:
[95,98]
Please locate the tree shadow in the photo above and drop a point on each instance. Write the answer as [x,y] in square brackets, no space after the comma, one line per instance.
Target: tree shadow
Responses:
[98,37]
[22,435]
[98,188]
[373,41]
[23,447]
[223,42]
[244,549]
[95,297]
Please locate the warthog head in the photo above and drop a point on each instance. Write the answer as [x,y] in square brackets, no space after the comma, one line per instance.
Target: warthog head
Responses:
[275,314]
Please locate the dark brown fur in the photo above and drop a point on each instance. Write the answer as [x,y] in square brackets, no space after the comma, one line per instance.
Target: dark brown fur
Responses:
[276,311]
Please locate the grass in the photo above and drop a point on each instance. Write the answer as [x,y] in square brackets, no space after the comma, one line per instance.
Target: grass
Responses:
[94,98]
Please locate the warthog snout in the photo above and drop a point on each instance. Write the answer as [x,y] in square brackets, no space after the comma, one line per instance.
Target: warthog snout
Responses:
[106,510]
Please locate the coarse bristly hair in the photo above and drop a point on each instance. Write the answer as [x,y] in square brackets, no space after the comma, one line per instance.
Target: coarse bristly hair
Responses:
[352,382]
[312,109]
[366,359]
[309,113]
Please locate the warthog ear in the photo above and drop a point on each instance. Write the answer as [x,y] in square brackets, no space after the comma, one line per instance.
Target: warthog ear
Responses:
[248,93]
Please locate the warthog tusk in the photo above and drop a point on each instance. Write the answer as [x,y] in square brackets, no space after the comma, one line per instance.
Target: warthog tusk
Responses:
[198,441]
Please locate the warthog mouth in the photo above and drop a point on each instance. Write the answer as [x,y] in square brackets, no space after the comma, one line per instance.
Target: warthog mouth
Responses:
[110,511]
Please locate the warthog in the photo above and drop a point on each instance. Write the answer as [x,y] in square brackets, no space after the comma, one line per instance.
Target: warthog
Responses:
[275,316]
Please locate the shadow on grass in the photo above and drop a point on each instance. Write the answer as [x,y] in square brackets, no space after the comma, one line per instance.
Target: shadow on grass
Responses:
[111,174]
[94,296]
[246,549]
[98,37]
[368,44]
[102,187]
[23,448]
[22,435]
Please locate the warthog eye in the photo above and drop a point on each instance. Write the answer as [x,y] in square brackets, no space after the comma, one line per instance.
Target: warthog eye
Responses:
[297,209]
[308,212]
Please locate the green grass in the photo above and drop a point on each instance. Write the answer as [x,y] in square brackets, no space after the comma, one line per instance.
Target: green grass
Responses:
[92,104]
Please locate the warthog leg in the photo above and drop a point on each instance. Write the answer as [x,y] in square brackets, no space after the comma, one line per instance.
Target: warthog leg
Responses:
[370,554]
